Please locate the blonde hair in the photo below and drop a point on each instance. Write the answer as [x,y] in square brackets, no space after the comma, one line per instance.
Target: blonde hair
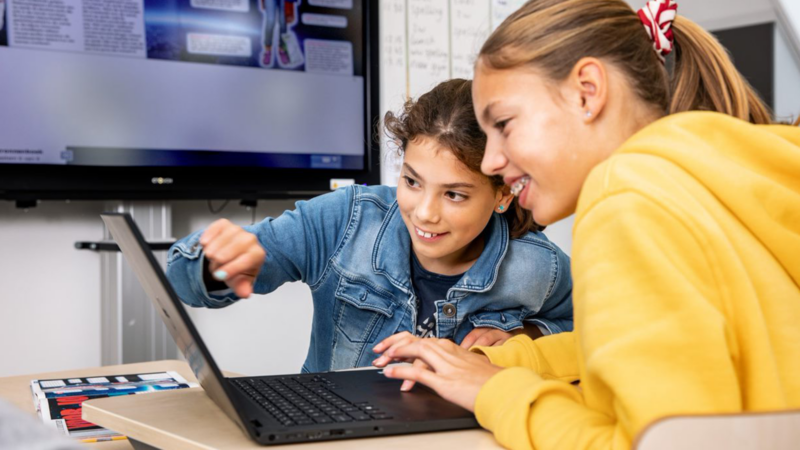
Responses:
[552,35]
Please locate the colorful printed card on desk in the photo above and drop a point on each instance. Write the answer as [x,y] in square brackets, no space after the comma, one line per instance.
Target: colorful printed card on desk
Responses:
[58,401]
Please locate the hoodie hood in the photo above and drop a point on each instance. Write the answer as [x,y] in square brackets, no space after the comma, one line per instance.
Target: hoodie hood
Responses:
[753,170]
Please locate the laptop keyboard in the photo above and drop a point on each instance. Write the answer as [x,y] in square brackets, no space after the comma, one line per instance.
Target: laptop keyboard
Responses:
[305,400]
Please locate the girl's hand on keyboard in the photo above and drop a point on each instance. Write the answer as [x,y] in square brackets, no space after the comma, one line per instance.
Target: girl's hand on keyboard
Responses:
[403,338]
[452,371]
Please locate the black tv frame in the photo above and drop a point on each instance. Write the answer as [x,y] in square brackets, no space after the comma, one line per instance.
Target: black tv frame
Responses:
[27,183]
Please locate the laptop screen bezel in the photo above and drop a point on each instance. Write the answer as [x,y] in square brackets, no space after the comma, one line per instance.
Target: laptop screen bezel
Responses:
[212,380]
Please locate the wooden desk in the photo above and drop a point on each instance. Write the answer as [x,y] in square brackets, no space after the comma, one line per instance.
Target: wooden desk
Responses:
[17,390]
[188,419]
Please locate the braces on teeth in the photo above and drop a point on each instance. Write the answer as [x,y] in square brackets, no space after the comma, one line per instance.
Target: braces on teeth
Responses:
[519,185]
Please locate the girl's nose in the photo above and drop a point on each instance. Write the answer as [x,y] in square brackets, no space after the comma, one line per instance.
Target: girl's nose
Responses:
[427,210]
[494,161]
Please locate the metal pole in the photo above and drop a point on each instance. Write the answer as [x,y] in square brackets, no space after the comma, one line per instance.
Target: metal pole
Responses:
[131,330]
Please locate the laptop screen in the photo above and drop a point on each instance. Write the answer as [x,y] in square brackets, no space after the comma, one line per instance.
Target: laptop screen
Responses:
[154,281]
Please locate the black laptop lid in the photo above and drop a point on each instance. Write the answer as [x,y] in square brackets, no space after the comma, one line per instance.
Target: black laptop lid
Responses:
[155,283]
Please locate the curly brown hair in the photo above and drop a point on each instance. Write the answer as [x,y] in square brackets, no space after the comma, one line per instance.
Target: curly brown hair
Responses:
[445,113]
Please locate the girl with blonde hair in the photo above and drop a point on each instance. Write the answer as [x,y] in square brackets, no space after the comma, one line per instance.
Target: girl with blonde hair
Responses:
[686,242]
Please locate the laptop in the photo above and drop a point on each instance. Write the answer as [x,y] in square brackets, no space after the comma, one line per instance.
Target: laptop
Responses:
[293,408]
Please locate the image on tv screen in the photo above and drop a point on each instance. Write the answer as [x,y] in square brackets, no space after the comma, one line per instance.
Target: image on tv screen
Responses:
[257,83]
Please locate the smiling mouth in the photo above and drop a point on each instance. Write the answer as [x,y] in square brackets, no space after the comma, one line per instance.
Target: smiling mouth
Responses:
[427,235]
[519,185]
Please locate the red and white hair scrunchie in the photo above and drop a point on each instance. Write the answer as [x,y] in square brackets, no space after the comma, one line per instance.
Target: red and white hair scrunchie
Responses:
[657,17]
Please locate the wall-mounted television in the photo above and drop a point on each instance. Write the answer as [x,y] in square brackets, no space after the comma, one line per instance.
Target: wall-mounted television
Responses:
[160,99]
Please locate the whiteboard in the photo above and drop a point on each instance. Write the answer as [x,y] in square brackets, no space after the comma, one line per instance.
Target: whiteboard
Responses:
[393,77]
[468,30]
[425,42]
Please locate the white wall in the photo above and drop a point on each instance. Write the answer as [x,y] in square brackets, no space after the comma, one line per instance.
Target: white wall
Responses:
[787,78]
[265,334]
[788,12]
[50,292]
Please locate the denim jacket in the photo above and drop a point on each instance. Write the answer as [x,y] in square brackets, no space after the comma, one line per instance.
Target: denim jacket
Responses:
[352,248]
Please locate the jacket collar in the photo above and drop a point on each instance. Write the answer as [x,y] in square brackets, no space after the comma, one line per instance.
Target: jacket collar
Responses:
[392,252]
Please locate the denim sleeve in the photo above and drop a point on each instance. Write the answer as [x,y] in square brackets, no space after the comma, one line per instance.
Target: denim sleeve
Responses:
[185,274]
[555,316]
[298,244]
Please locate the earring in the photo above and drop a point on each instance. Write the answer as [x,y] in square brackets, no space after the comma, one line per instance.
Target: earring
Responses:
[588,114]
[501,208]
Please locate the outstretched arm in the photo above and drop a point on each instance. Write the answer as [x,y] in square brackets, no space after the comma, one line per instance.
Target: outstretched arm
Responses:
[296,246]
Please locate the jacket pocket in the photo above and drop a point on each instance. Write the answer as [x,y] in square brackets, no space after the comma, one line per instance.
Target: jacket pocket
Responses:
[361,310]
[506,320]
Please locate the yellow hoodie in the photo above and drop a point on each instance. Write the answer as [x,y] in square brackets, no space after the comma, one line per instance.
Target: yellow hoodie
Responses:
[686,266]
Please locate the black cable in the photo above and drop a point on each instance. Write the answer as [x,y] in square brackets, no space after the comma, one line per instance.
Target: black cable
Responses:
[211,209]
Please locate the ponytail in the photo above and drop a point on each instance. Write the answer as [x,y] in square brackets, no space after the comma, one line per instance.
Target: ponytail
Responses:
[704,77]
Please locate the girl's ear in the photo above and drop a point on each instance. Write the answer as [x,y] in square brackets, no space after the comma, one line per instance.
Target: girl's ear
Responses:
[588,83]
[504,199]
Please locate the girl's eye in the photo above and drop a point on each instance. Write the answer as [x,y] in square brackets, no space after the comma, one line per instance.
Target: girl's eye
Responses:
[501,124]
[455,196]
[411,182]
